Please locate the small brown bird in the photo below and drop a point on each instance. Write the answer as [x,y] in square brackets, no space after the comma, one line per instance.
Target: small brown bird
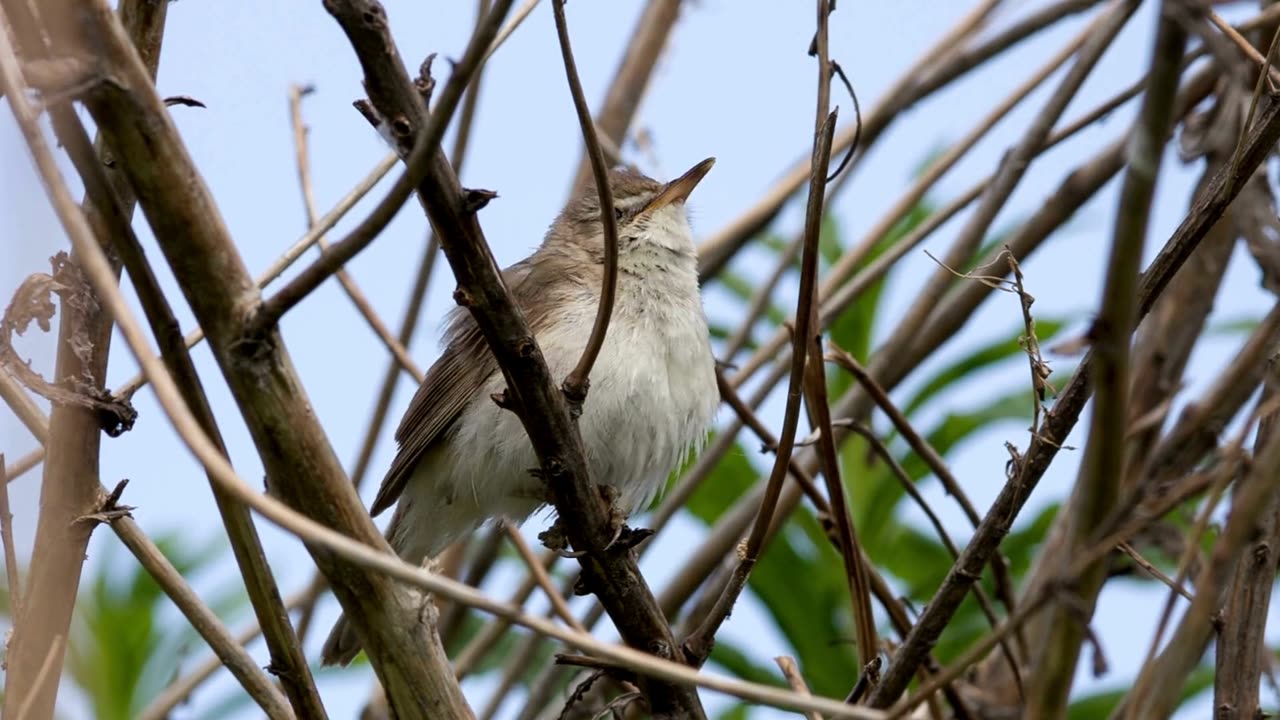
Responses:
[463,460]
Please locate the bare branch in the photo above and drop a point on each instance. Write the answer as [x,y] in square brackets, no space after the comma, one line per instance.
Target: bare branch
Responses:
[10,554]
[575,386]
[632,77]
[699,643]
[1059,422]
[70,487]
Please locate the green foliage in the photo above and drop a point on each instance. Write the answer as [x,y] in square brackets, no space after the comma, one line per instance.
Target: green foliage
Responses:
[1101,704]
[126,641]
[980,359]
[799,580]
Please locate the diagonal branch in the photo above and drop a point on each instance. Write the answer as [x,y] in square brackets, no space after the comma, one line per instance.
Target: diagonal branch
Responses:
[610,569]
[1098,486]
[69,488]
[287,660]
[1058,423]
[300,464]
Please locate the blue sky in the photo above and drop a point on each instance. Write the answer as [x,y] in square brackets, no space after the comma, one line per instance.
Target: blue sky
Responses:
[735,83]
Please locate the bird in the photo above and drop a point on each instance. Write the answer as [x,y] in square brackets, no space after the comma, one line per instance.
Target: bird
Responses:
[462,460]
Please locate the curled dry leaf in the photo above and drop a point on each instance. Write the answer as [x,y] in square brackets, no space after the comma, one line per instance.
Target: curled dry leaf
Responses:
[33,302]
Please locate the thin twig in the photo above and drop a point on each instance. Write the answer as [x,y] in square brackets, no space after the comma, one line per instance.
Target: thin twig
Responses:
[419,155]
[357,297]
[575,386]
[1027,473]
[1264,65]
[10,553]
[792,673]
[316,534]
[540,576]
[1155,572]
[699,643]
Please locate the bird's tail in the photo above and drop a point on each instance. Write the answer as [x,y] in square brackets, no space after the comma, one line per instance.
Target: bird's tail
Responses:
[414,541]
[342,645]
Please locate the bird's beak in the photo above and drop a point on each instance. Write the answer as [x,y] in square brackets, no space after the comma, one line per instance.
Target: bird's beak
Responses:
[678,190]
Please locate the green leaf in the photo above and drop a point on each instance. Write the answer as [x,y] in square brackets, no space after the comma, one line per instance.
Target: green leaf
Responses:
[829,246]
[737,712]
[738,663]
[1102,704]
[981,358]
[744,289]
[877,493]
[1240,325]
[126,644]
[854,329]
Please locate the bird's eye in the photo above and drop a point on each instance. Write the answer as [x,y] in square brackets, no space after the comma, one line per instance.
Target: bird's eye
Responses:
[619,213]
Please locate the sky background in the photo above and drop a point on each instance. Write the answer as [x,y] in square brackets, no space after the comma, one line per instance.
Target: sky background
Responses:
[734,83]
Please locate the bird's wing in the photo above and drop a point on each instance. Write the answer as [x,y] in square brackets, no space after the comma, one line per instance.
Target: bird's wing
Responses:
[460,373]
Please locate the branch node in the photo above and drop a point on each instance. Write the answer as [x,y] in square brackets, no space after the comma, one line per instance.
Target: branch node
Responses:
[370,113]
[463,298]
[401,127]
[502,400]
[575,394]
[474,199]
[109,508]
[425,84]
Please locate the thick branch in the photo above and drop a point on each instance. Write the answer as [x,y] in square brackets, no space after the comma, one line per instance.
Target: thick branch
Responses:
[300,465]
[70,488]
[287,660]
[609,569]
